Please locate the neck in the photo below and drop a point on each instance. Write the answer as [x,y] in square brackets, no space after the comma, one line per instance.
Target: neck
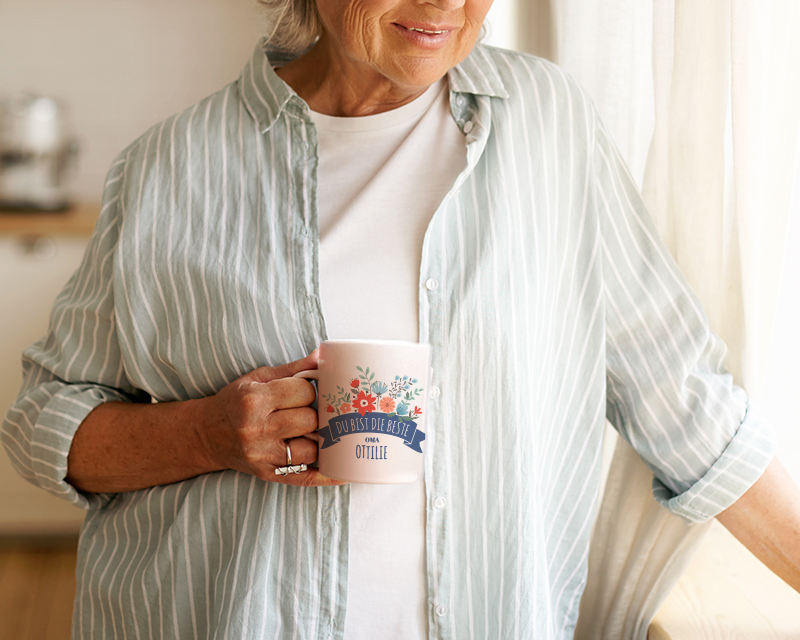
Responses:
[335,85]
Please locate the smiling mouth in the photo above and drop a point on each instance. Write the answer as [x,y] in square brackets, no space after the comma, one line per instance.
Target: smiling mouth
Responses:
[430,35]
[426,31]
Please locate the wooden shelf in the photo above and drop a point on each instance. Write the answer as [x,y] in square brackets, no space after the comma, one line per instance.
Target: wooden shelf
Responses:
[77,221]
[727,594]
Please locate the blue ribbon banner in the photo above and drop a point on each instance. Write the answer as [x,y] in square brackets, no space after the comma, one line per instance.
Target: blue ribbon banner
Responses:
[380,423]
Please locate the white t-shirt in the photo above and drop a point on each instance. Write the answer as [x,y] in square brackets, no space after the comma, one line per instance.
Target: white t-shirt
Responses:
[381,179]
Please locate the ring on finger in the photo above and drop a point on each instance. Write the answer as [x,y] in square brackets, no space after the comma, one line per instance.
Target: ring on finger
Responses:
[289,468]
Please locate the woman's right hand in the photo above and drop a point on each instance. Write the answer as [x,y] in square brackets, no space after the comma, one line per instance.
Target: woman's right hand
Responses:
[248,423]
[122,446]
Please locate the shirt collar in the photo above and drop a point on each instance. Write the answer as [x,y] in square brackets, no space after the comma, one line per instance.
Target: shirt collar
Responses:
[265,95]
[478,75]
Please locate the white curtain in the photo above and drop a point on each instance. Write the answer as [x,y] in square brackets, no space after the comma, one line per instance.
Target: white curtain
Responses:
[703,98]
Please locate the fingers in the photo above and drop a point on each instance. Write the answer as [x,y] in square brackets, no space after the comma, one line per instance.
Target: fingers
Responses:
[304,451]
[285,393]
[310,478]
[268,374]
[261,455]
[291,423]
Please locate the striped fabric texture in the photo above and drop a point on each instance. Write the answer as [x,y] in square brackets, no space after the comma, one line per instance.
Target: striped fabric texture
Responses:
[550,305]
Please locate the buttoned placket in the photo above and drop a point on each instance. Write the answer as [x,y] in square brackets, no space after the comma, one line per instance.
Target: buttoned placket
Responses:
[468,112]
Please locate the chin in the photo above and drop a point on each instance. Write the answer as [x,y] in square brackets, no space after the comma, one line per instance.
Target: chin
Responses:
[419,72]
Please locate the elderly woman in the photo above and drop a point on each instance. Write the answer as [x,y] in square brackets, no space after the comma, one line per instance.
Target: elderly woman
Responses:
[395,180]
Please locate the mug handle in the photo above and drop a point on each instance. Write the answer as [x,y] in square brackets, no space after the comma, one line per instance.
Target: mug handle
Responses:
[310,374]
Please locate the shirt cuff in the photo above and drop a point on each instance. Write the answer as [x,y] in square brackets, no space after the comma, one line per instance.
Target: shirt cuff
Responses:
[52,438]
[742,462]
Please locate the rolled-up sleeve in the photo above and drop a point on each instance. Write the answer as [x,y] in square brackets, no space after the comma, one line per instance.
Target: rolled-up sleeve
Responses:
[668,393]
[74,368]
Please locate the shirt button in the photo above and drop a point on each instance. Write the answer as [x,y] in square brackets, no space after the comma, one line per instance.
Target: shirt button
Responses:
[441,610]
[435,392]
[432,284]
[440,502]
[468,126]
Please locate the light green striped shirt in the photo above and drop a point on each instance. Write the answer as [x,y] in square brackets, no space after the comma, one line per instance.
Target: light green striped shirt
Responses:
[548,300]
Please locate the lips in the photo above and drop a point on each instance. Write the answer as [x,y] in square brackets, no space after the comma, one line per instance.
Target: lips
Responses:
[426,28]
[425,35]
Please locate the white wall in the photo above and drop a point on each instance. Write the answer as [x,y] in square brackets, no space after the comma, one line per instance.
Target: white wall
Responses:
[122,65]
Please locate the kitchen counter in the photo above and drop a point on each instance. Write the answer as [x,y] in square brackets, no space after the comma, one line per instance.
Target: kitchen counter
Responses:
[77,221]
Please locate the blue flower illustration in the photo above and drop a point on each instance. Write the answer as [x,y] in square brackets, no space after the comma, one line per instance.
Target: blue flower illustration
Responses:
[402,409]
[379,388]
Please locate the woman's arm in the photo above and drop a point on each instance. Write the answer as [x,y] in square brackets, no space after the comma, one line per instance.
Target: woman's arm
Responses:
[766,519]
[124,447]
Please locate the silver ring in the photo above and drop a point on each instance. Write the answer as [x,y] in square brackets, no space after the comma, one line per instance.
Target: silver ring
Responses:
[289,468]
[285,471]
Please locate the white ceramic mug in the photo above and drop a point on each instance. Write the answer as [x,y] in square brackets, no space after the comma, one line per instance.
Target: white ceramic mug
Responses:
[372,402]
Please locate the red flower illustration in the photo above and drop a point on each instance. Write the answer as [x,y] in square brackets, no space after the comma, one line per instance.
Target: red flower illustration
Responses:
[346,408]
[364,402]
[387,405]
[354,383]
[418,411]
[329,409]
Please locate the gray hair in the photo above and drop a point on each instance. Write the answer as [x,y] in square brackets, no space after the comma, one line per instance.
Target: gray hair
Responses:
[293,25]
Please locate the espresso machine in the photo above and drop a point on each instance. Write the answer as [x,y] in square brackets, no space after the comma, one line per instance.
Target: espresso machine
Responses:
[38,154]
